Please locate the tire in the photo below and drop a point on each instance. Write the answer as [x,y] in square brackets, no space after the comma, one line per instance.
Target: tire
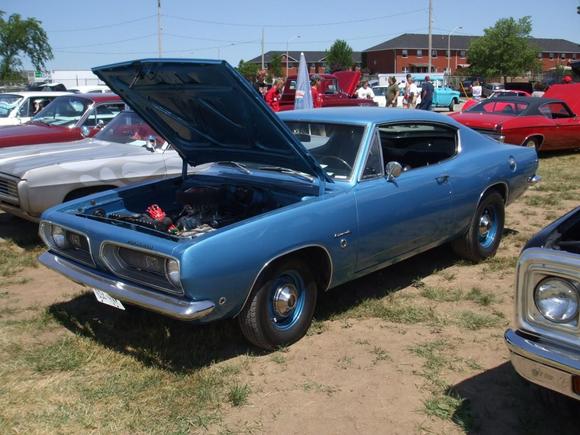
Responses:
[269,325]
[485,231]
[532,142]
[452,105]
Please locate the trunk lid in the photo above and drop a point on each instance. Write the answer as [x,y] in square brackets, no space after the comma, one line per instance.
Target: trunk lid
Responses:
[208,112]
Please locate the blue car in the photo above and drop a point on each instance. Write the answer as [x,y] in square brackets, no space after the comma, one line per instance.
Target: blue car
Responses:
[269,210]
[443,96]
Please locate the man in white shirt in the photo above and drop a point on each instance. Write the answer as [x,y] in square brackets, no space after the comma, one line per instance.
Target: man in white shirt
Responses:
[476,90]
[365,91]
[410,94]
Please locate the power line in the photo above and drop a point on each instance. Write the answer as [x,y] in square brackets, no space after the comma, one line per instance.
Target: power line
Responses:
[98,44]
[104,26]
[201,38]
[278,26]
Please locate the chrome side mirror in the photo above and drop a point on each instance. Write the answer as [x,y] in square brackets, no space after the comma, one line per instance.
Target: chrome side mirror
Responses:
[393,170]
[85,131]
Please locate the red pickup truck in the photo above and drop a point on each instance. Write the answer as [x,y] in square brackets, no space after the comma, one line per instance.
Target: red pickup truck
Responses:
[337,89]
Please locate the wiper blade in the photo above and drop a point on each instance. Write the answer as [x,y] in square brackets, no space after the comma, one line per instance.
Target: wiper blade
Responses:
[288,171]
[238,165]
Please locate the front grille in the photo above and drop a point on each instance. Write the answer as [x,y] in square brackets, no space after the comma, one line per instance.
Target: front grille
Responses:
[9,188]
[144,267]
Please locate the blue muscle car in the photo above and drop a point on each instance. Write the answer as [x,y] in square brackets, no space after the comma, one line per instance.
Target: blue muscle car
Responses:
[277,207]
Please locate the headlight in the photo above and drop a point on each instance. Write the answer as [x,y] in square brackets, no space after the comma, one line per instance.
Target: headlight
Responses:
[58,235]
[557,299]
[172,272]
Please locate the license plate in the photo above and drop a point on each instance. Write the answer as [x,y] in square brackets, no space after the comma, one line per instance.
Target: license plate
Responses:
[107,299]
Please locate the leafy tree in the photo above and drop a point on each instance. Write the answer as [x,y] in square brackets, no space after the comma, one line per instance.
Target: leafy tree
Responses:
[248,70]
[339,56]
[19,38]
[505,50]
[275,68]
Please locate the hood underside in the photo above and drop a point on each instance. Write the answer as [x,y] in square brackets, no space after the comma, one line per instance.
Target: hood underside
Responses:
[208,112]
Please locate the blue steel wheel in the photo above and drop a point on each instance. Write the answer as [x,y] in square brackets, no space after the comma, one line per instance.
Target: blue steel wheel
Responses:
[485,231]
[280,308]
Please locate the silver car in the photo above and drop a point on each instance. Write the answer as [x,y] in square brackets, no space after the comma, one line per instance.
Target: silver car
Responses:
[36,177]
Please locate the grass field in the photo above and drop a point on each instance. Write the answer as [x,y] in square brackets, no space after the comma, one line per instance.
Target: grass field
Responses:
[423,339]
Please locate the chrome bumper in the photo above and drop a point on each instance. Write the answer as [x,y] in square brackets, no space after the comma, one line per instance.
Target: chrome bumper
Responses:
[544,363]
[534,179]
[167,305]
[18,212]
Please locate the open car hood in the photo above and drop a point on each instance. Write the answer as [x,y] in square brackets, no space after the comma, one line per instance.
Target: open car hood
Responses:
[208,112]
[347,80]
[569,92]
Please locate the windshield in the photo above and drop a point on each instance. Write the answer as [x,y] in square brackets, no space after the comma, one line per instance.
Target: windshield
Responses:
[64,111]
[508,108]
[334,146]
[129,128]
[7,104]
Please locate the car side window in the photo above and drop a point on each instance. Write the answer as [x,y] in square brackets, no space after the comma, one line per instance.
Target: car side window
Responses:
[374,166]
[24,110]
[555,111]
[103,113]
[415,145]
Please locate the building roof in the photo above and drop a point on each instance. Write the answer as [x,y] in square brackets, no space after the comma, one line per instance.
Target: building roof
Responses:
[294,56]
[461,42]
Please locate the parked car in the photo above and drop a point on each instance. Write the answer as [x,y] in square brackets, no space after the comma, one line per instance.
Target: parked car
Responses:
[380,95]
[288,204]
[67,118]
[90,89]
[542,123]
[544,344]
[36,177]
[19,107]
[503,93]
[488,88]
[336,89]
[443,95]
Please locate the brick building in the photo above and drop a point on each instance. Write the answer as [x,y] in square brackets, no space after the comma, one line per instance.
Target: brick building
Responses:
[409,53]
[314,59]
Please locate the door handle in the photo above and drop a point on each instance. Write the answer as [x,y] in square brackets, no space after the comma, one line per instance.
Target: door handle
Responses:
[442,179]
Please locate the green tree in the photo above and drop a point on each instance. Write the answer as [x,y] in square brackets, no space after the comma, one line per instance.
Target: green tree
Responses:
[505,50]
[248,70]
[19,38]
[339,56]
[275,68]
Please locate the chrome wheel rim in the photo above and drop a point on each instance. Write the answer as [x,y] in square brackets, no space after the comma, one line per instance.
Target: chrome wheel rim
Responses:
[488,227]
[286,304]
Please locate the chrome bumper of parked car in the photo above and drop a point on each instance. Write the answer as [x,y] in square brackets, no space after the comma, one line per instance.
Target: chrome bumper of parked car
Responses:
[544,363]
[534,179]
[167,305]
[17,211]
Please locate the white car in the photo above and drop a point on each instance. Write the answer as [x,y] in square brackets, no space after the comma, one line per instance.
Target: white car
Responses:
[90,89]
[19,107]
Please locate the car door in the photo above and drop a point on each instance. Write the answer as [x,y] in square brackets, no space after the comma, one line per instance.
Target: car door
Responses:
[567,131]
[408,214]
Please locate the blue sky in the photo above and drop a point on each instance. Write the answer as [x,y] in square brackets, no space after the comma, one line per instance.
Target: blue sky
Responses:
[85,33]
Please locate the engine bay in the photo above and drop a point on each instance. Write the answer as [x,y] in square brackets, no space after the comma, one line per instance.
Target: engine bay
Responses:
[195,210]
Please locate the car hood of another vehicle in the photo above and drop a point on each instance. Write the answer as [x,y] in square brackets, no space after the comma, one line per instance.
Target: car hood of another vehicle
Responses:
[29,133]
[17,161]
[208,112]
[570,93]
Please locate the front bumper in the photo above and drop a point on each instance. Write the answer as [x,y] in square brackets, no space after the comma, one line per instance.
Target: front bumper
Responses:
[18,212]
[543,362]
[167,305]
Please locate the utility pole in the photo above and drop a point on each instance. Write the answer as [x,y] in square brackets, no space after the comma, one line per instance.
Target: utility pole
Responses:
[160,51]
[262,48]
[430,36]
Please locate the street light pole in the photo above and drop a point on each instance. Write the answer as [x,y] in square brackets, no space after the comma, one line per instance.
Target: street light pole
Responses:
[159,50]
[449,48]
[287,42]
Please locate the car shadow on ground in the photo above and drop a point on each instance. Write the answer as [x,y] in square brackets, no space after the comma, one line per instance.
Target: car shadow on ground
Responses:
[502,402]
[23,233]
[180,346]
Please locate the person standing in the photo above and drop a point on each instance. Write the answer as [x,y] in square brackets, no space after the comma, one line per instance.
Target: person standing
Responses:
[476,90]
[427,91]
[365,92]
[392,92]
[410,95]
[273,95]
[260,84]
[316,98]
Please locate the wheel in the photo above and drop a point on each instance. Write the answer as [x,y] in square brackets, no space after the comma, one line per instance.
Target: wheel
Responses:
[280,310]
[533,142]
[452,105]
[484,234]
